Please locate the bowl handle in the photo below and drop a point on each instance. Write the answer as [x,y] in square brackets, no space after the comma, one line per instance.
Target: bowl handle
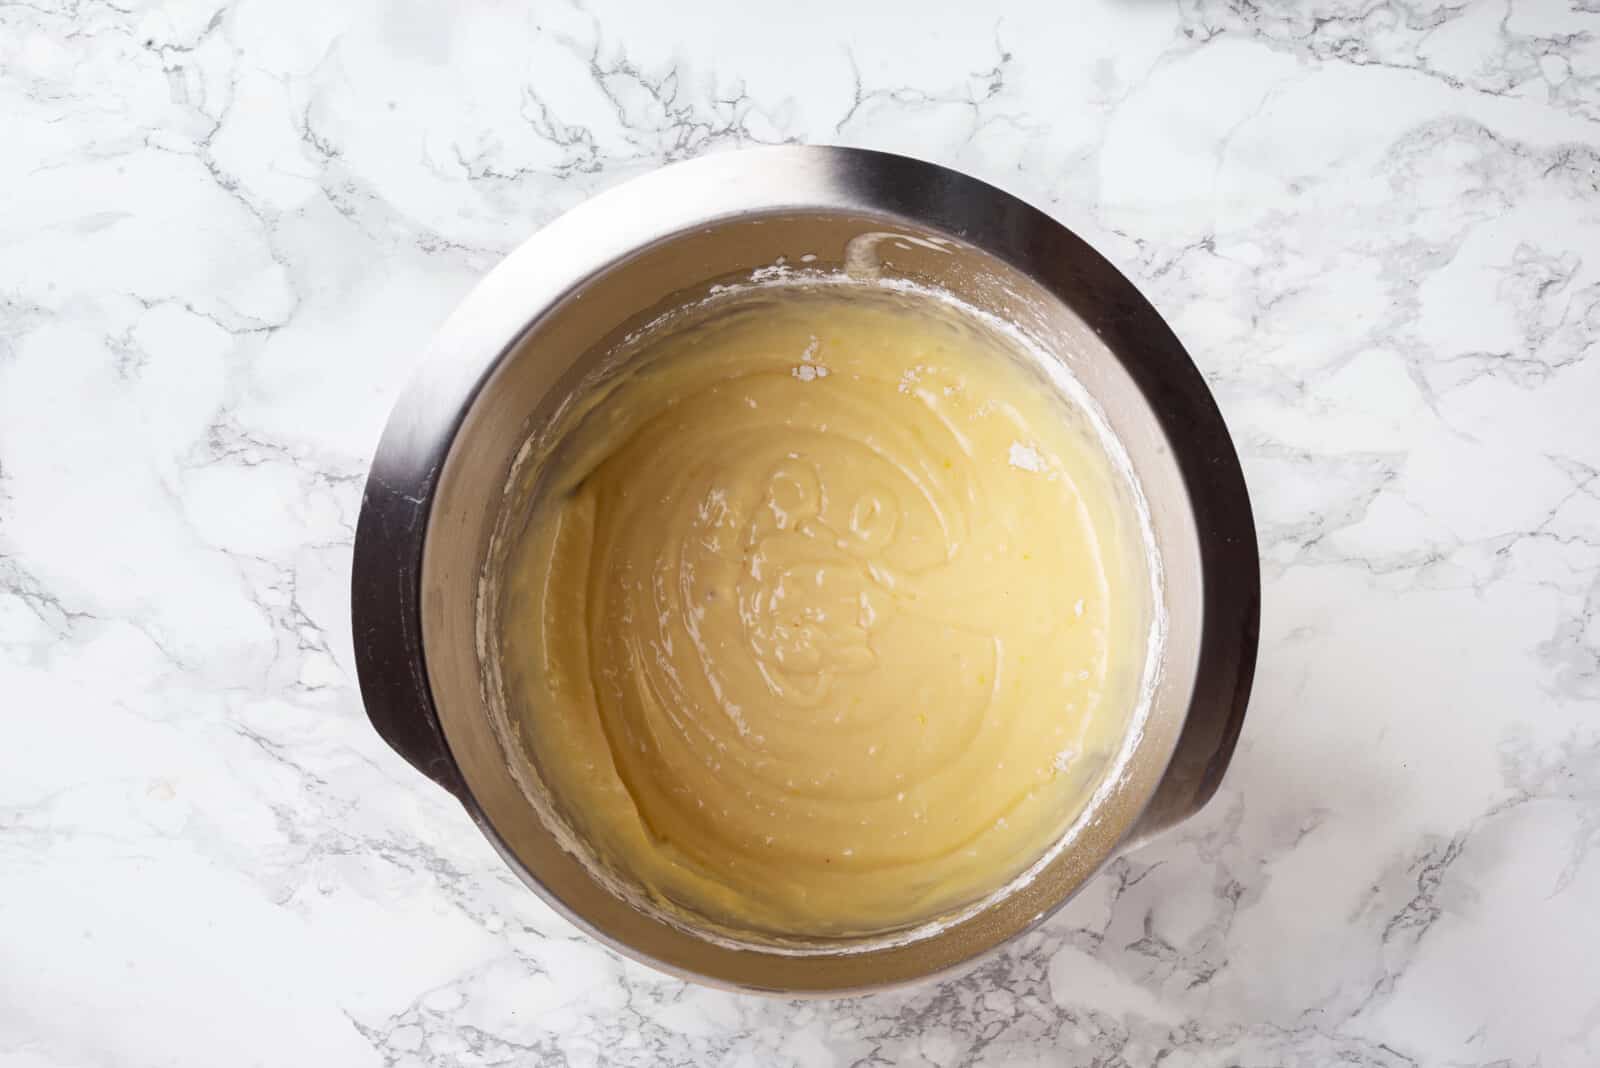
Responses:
[1211,730]
[386,618]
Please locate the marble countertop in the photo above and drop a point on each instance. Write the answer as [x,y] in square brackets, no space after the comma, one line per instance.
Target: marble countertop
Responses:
[226,231]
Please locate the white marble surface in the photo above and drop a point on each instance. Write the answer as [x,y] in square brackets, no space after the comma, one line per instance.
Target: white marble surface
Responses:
[225,232]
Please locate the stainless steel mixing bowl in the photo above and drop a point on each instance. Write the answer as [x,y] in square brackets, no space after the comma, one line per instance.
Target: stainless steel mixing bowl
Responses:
[523,339]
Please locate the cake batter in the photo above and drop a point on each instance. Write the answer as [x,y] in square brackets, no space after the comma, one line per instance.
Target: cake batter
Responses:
[828,618]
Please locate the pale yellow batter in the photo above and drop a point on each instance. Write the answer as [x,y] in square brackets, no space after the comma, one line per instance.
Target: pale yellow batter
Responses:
[829,620]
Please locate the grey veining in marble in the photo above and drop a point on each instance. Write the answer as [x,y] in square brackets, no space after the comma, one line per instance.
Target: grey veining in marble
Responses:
[225,232]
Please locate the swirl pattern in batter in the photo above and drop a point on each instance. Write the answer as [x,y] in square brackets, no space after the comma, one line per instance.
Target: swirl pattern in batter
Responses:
[830,619]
